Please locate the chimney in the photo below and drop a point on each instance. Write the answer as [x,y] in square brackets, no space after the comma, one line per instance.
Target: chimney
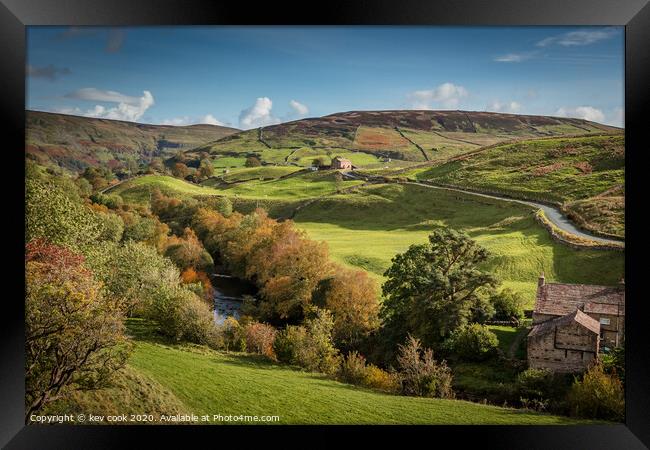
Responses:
[541,281]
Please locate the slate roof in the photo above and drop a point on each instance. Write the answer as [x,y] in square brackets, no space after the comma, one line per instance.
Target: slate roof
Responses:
[559,299]
[576,316]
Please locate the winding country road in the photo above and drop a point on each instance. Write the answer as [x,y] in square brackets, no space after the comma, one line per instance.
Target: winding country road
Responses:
[552,213]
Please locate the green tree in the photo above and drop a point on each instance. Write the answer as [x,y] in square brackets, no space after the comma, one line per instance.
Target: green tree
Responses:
[508,305]
[432,288]
[472,342]
[53,215]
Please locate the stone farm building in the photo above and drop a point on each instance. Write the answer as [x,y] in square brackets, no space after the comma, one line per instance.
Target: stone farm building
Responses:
[341,163]
[572,323]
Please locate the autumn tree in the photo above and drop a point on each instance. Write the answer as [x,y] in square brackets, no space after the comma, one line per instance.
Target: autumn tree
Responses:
[352,296]
[252,161]
[187,251]
[206,169]
[74,336]
[180,170]
[433,288]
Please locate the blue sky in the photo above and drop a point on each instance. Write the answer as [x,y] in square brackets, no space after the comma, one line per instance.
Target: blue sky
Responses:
[251,76]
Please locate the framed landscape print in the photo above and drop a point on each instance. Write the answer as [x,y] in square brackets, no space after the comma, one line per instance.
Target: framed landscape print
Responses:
[395,215]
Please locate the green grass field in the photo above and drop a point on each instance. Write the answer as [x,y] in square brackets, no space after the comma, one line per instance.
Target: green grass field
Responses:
[367,228]
[292,188]
[195,379]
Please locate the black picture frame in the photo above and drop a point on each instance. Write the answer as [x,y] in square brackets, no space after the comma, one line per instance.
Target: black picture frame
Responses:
[15,15]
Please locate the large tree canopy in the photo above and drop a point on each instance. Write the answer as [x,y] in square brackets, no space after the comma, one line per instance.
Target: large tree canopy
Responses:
[433,288]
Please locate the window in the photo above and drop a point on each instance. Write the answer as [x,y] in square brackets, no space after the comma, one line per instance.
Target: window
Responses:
[604,321]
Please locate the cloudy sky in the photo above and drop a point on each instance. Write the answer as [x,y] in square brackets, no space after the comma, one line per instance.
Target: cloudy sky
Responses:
[251,76]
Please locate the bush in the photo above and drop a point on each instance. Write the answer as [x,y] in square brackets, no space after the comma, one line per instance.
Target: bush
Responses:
[252,161]
[183,316]
[614,363]
[286,342]
[420,374]
[112,201]
[310,346]
[112,227]
[508,305]
[353,369]
[233,335]
[472,342]
[534,385]
[260,338]
[376,378]
[598,396]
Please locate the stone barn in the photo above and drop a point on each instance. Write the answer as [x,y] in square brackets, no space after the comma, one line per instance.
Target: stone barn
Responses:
[565,344]
[573,322]
[341,163]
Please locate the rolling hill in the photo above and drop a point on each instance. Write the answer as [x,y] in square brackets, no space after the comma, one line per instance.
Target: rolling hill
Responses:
[75,142]
[380,138]
[585,175]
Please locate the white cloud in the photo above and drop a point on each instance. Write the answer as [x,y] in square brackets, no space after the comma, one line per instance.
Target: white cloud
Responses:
[187,120]
[128,108]
[497,106]
[299,108]
[582,112]
[513,57]
[177,121]
[617,118]
[211,120]
[577,38]
[258,115]
[447,95]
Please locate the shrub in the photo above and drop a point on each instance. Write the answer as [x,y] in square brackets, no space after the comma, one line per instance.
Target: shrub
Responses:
[508,305]
[614,363]
[233,335]
[420,374]
[112,201]
[252,161]
[318,353]
[376,378]
[353,368]
[286,342]
[309,346]
[472,342]
[534,385]
[260,338]
[183,316]
[598,396]
[112,227]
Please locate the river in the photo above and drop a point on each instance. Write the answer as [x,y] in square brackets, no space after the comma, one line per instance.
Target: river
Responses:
[229,293]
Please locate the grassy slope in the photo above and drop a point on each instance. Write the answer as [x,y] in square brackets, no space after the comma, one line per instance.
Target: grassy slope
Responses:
[368,228]
[292,188]
[548,167]
[161,378]
[572,171]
